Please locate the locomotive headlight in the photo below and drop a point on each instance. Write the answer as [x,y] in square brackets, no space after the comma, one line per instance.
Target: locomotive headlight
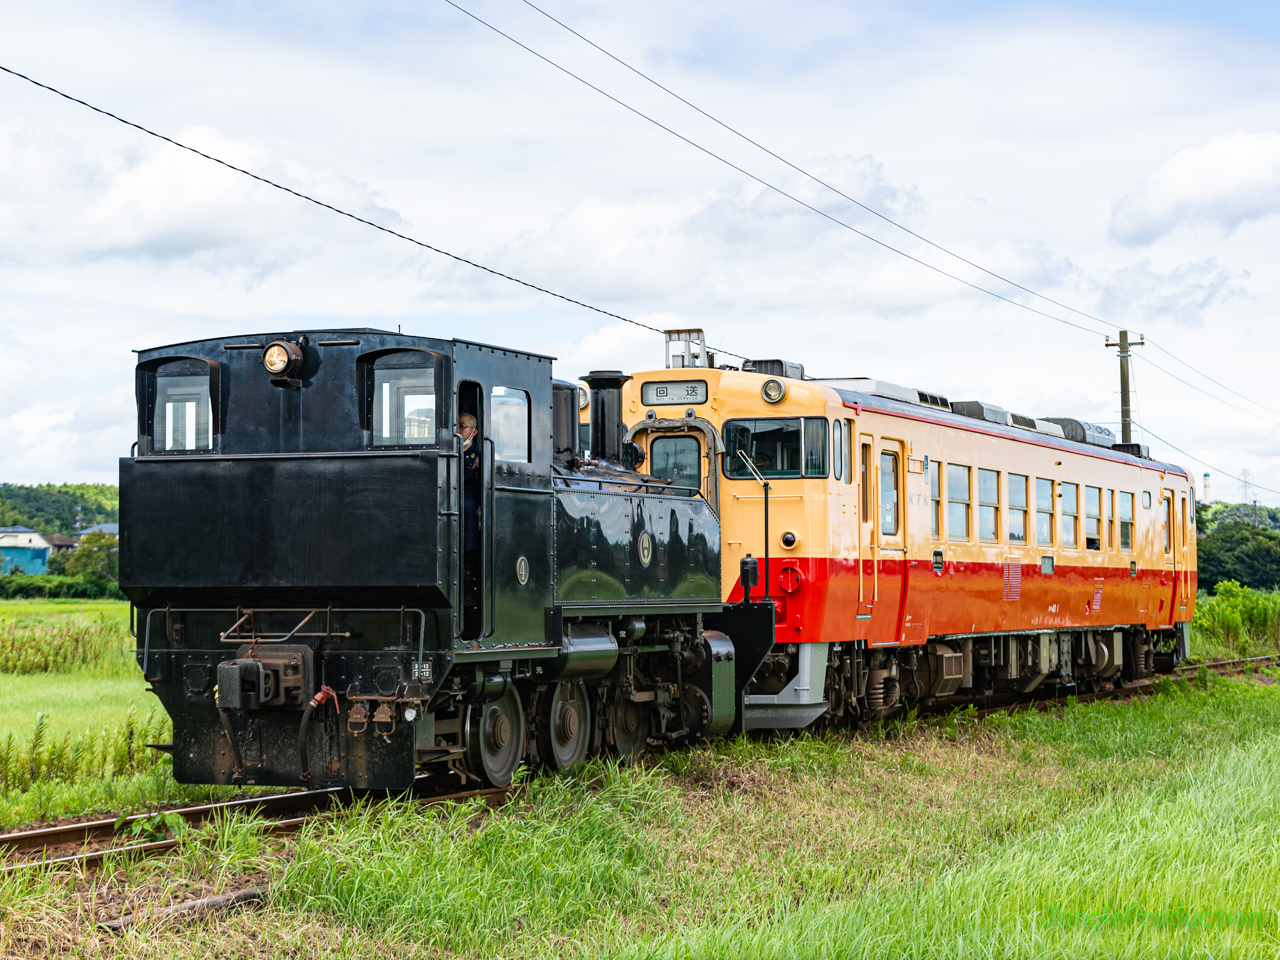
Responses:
[773,390]
[584,398]
[281,357]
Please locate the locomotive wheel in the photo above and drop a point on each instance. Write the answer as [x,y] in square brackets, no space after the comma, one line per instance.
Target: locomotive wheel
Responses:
[495,738]
[563,725]
[695,711]
[629,727]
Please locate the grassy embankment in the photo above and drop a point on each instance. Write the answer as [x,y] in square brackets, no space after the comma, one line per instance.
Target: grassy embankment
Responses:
[1097,830]
[75,715]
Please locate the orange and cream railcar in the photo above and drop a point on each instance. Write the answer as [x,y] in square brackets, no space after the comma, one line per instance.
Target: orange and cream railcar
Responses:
[916,552]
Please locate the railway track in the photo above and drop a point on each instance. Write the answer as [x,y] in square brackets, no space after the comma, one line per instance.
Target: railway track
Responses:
[1126,691]
[88,843]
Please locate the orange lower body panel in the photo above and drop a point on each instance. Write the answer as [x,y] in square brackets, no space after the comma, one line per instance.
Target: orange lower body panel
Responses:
[904,602]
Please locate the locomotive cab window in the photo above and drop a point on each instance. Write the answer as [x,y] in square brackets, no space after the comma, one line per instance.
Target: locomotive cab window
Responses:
[777,448]
[404,400]
[183,417]
[678,459]
[509,424]
[837,449]
[935,499]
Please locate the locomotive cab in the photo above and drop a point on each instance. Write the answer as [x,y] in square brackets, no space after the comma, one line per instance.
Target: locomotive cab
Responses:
[334,584]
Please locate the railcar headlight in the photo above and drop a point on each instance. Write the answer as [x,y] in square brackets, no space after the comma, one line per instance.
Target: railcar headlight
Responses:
[773,390]
[281,357]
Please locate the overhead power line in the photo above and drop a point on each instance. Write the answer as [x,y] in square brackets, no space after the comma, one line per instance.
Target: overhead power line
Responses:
[1205,392]
[1204,463]
[765,183]
[1210,379]
[330,207]
[840,193]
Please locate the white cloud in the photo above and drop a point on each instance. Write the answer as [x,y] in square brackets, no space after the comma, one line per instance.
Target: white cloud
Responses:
[1226,182]
[1183,294]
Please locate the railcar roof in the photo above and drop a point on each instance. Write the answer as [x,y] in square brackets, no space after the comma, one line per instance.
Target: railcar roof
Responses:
[930,415]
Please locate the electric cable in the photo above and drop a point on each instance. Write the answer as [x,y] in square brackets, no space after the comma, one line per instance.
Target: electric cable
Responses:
[805,173]
[1206,463]
[1205,392]
[337,210]
[871,210]
[765,183]
[1210,379]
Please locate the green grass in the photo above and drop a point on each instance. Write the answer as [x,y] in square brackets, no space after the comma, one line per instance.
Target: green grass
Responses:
[1235,622]
[116,611]
[1082,831]
[78,701]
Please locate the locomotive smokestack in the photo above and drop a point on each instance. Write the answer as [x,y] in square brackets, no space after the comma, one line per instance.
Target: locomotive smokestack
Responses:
[606,413]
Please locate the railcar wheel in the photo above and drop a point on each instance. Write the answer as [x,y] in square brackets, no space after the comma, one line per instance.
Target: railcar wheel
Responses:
[495,738]
[629,729]
[563,725]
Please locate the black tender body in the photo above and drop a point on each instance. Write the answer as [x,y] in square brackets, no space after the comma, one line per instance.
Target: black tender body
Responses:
[307,609]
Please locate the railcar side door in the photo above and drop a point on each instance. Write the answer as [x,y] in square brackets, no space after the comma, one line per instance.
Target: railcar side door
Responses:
[1169,581]
[891,541]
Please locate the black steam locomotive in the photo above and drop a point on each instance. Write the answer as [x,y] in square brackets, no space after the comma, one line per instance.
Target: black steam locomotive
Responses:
[333,584]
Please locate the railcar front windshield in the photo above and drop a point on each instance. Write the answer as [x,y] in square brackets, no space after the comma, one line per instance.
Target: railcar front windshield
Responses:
[778,448]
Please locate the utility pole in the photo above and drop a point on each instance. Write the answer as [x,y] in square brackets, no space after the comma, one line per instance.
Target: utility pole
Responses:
[1126,413]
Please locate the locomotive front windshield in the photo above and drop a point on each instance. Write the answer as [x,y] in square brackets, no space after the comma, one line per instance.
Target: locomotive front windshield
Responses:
[404,401]
[777,448]
[183,414]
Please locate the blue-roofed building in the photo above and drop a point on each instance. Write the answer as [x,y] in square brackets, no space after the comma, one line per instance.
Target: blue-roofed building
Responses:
[21,548]
[112,528]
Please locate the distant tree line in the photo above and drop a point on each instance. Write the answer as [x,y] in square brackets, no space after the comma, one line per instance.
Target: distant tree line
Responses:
[56,508]
[1237,550]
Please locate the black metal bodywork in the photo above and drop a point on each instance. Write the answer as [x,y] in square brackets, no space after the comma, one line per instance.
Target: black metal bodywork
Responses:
[304,592]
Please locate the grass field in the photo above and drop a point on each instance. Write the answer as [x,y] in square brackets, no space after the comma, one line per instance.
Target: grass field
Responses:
[1100,830]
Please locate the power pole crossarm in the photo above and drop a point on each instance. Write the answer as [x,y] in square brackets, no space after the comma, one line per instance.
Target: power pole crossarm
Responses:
[1126,410]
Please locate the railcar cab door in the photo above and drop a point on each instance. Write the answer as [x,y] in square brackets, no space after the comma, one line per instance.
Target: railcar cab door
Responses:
[503,539]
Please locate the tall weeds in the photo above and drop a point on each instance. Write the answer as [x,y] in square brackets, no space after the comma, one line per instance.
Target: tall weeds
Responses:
[57,646]
[113,752]
[1236,622]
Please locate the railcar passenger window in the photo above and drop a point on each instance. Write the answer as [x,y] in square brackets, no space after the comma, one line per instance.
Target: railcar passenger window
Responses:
[1044,511]
[773,446]
[866,483]
[1109,504]
[1126,522]
[989,505]
[404,400]
[837,449]
[935,496]
[1070,512]
[1093,518]
[1017,508]
[678,459]
[1167,527]
[888,493]
[509,424]
[815,447]
[183,414]
[957,502]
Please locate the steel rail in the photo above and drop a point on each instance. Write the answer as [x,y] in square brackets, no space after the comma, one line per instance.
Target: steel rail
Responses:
[313,802]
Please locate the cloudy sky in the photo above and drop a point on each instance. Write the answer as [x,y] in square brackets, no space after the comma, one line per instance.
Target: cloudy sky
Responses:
[1121,158]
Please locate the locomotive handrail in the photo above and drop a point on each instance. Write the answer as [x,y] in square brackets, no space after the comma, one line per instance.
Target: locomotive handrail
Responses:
[267,638]
[662,485]
[460,523]
[489,606]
